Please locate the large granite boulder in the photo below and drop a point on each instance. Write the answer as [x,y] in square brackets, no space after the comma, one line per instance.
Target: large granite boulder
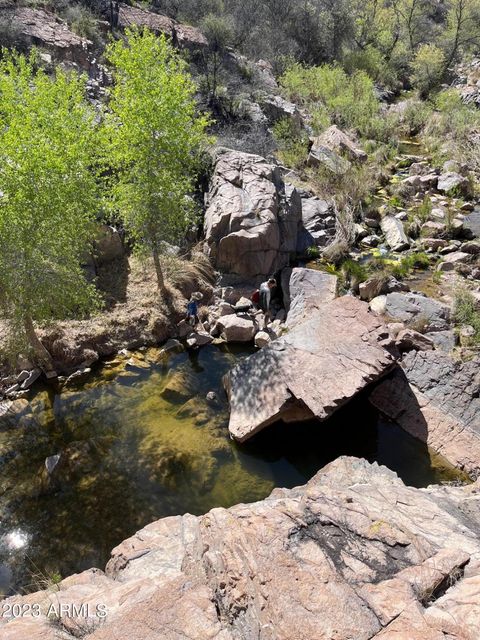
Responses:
[452,183]
[277,108]
[237,328]
[325,158]
[306,290]
[336,140]
[437,400]
[321,363]
[252,218]
[352,555]
[413,308]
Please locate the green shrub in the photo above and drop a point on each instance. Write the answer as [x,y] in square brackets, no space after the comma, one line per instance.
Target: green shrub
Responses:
[82,21]
[354,272]
[313,252]
[428,68]
[373,62]
[465,312]
[415,116]
[292,144]
[422,211]
[348,101]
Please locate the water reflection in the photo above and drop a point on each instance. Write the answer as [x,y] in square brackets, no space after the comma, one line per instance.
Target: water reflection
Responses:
[141,441]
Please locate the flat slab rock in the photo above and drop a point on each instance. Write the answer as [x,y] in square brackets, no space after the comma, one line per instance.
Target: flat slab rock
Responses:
[320,364]
[353,554]
[437,400]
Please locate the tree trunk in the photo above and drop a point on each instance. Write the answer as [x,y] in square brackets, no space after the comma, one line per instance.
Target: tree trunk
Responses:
[44,357]
[158,269]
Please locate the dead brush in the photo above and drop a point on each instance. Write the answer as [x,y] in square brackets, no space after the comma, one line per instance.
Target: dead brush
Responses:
[188,274]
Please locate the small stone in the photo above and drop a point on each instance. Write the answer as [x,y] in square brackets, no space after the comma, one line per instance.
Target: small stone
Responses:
[378,305]
[173,345]
[199,339]
[408,340]
[262,339]
[394,328]
[32,377]
[467,331]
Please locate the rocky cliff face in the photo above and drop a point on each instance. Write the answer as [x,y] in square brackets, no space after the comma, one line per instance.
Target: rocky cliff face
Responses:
[44,29]
[352,554]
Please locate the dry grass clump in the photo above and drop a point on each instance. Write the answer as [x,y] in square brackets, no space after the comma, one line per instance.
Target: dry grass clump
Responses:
[189,274]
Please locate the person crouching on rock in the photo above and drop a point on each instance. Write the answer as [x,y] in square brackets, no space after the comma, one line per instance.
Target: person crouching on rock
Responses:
[265,297]
[192,309]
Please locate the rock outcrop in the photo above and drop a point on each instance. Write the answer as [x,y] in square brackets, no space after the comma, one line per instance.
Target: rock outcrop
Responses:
[321,363]
[36,27]
[437,401]
[352,554]
[252,219]
[182,35]
[318,224]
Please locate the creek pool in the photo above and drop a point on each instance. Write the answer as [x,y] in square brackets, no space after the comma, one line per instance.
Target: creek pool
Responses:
[139,441]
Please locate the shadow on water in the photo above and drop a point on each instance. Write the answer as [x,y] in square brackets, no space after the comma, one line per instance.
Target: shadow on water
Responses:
[140,442]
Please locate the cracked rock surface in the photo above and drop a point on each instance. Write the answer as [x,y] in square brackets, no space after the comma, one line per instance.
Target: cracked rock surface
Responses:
[328,356]
[437,400]
[353,554]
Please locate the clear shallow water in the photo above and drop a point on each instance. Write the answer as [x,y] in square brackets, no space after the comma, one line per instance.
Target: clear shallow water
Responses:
[140,441]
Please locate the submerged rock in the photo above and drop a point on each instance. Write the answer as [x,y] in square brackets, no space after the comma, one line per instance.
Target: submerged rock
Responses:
[352,554]
[321,363]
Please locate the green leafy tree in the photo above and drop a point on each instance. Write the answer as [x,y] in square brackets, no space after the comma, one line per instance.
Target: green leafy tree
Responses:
[462,31]
[48,197]
[428,68]
[155,138]
[219,34]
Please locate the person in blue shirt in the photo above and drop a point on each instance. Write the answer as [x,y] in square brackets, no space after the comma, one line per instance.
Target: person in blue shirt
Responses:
[192,309]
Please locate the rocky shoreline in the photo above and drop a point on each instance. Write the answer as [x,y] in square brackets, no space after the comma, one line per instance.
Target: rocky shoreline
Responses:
[352,554]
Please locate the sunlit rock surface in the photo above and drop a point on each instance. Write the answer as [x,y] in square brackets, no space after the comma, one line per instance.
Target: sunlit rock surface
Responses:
[352,554]
[326,358]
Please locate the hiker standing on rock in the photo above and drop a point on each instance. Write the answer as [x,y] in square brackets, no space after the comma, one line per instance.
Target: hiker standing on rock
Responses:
[192,309]
[265,297]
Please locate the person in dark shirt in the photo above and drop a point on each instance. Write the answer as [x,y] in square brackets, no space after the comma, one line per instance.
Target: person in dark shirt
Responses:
[192,309]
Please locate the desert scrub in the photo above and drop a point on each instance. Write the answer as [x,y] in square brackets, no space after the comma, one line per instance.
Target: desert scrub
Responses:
[422,211]
[348,101]
[465,312]
[292,143]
